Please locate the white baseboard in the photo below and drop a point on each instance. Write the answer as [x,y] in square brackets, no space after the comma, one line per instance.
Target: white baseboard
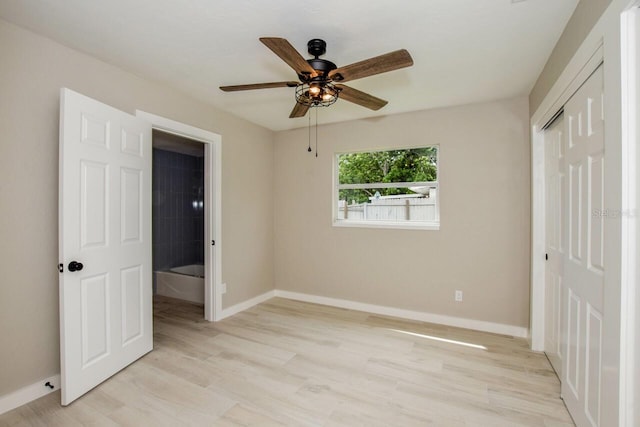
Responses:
[245,305]
[29,393]
[460,322]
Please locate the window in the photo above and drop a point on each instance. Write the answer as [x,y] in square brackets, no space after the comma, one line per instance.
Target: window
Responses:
[390,189]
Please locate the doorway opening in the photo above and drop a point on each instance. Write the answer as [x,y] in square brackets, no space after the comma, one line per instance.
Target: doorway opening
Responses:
[212,203]
[178,202]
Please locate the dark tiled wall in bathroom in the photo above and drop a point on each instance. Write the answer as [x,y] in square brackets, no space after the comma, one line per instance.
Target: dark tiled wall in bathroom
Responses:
[178,214]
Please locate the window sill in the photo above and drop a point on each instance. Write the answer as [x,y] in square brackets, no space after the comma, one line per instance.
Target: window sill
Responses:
[388,224]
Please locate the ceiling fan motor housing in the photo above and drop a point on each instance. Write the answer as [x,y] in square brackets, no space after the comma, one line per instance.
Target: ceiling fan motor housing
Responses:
[322,65]
[316,47]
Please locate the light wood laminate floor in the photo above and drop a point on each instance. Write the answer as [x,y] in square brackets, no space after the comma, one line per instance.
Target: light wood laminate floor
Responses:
[299,364]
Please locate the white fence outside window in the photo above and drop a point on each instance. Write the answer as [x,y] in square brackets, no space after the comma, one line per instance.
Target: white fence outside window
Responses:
[399,208]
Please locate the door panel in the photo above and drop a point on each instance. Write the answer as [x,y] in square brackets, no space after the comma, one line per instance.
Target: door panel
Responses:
[131,202]
[575,212]
[132,142]
[572,374]
[95,338]
[596,204]
[132,304]
[593,363]
[554,292]
[584,265]
[105,212]
[95,131]
[94,203]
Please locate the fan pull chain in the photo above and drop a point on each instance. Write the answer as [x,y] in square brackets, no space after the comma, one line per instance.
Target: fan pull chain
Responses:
[309,149]
[316,131]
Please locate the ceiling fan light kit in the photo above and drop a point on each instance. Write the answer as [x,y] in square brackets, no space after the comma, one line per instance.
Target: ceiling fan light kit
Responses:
[319,77]
[316,95]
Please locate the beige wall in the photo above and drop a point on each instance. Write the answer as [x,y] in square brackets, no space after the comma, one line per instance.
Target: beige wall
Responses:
[32,72]
[582,21]
[482,247]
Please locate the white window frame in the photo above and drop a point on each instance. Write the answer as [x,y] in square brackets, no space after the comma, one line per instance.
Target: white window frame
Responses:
[406,225]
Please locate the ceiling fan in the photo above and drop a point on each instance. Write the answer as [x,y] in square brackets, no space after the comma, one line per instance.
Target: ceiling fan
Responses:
[321,80]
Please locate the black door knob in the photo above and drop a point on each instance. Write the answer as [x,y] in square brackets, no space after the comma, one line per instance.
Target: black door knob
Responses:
[75,266]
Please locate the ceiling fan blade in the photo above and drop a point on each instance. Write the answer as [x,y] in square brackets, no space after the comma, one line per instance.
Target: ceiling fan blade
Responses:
[236,88]
[361,98]
[299,110]
[289,54]
[369,67]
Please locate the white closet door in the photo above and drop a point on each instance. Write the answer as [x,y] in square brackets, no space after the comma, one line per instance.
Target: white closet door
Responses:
[554,137]
[584,259]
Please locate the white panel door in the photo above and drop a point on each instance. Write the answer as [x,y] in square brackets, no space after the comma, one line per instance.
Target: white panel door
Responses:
[554,242]
[105,242]
[584,266]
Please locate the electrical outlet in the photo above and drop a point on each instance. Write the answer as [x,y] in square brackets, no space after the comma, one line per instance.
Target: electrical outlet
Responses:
[223,288]
[458,296]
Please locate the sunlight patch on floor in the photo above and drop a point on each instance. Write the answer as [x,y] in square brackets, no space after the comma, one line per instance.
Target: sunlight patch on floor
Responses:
[429,337]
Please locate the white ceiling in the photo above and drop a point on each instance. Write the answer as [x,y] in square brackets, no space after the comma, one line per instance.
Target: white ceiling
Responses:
[464,51]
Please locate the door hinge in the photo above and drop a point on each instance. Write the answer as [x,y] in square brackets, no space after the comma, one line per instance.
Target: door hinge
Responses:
[61,268]
[213,243]
[546,257]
